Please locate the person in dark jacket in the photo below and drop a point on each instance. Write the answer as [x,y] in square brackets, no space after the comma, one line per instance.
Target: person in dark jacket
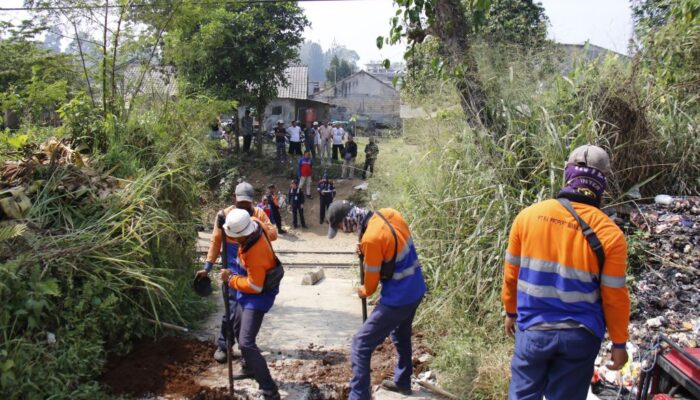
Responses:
[326,192]
[296,201]
[275,208]
[371,152]
[310,139]
[349,157]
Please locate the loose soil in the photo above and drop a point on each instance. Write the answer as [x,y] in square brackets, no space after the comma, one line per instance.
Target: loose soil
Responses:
[169,367]
[156,367]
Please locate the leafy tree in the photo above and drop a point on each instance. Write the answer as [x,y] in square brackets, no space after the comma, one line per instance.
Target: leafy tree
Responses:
[517,22]
[649,14]
[457,25]
[339,70]
[52,41]
[236,50]
[311,54]
[33,80]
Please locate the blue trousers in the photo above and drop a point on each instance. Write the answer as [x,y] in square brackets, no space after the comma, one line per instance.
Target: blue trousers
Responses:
[557,364]
[384,321]
[248,323]
[233,304]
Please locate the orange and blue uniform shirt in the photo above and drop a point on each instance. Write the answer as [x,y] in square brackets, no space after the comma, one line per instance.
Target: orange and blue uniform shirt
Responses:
[249,275]
[231,246]
[552,274]
[407,286]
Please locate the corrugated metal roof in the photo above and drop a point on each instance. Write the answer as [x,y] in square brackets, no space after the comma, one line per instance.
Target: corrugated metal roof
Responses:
[298,78]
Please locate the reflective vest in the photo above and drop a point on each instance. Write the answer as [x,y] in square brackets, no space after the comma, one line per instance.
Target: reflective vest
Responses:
[407,285]
[552,274]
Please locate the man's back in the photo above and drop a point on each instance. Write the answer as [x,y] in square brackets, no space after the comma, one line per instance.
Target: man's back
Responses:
[557,271]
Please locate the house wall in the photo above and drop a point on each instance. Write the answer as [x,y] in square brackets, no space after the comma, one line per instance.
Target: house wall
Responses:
[288,110]
[364,96]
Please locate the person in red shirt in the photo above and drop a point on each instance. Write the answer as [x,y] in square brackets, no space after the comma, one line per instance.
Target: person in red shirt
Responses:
[305,173]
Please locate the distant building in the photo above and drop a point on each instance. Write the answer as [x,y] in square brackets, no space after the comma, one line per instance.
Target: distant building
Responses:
[376,68]
[293,102]
[586,52]
[362,96]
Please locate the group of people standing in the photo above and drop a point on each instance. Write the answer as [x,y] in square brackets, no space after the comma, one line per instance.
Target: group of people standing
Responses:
[327,142]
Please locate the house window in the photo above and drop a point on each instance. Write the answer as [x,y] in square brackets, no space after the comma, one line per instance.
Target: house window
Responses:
[277,110]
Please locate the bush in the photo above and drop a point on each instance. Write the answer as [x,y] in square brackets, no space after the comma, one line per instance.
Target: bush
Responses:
[107,247]
[465,185]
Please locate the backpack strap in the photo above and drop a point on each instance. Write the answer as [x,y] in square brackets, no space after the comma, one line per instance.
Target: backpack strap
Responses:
[393,233]
[588,232]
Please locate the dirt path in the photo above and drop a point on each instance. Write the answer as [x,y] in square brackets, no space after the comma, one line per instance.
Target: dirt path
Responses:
[307,335]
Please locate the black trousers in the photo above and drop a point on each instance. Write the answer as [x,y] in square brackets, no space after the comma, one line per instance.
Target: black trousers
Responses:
[369,163]
[310,147]
[246,143]
[295,148]
[338,150]
[298,210]
[326,201]
[277,217]
[248,323]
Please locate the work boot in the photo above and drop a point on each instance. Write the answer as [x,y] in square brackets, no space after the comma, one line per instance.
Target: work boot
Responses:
[220,355]
[243,374]
[391,386]
[270,395]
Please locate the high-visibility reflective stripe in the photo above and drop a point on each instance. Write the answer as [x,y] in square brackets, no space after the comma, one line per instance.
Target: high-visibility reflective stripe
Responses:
[404,251]
[369,268]
[406,272]
[552,292]
[515,260]
[553,266]
[613,281]
[255,287]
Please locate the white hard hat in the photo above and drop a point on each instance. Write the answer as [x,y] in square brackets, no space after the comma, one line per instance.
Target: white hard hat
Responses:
[239,224]
[280,122]
[315,123]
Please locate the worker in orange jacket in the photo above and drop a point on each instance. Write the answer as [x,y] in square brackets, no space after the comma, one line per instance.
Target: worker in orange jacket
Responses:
[244,201]
[384,235]
[255,298]
[560,295]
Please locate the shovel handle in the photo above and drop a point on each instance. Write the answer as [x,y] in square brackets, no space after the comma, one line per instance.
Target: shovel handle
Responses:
[227,312]
[362,282]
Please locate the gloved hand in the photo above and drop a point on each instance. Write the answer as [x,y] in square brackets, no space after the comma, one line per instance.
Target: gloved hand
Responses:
[220,220]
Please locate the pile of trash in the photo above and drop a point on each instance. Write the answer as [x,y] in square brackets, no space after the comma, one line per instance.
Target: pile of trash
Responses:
[666,291]
[52,166]
[664,286]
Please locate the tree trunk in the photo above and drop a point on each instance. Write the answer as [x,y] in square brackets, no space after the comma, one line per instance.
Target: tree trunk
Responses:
[115,46]
[82,61]
[452,28]
[260,110]
[104,61]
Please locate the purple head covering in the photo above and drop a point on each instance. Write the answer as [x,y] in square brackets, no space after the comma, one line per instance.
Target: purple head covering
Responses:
[585,181]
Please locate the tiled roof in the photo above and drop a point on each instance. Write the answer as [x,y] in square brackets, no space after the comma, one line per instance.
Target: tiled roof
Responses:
[297,78]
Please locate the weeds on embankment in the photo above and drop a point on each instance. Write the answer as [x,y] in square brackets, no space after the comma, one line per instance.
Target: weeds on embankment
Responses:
[97,264]
[460,187]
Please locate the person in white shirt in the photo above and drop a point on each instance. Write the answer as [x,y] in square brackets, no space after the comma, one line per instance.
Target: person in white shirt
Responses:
[294,133]
[326,141]
[317,139]
[338,148]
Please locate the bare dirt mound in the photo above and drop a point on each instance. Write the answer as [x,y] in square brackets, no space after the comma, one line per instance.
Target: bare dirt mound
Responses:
[156,367]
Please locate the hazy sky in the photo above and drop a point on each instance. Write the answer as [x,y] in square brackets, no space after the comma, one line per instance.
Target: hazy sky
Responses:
[356,24]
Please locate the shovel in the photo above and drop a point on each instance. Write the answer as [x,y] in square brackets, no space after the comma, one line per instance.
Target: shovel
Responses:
[227,310]
[362,282]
